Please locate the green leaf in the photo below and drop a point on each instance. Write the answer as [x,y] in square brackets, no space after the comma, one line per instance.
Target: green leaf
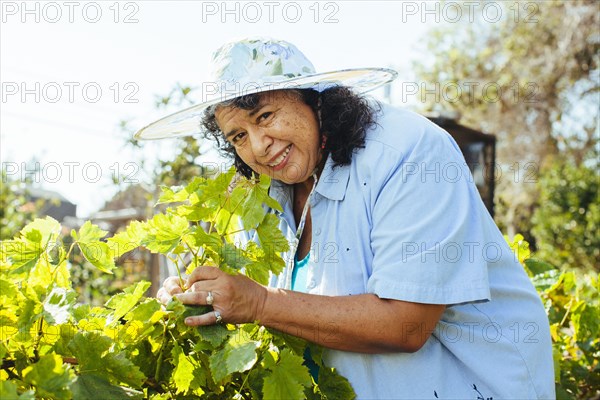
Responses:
[213,335]
[537,267]
[95,251]
[232,256]
[90,386]
[129,239]
[264,263]
[270,236]
[58,305]
[8,391]
[50,377]
[25,250]
[89,233]
[236,356]
[148,311]
[288,378]
[29,312]
[172,195]
[123,302]
[252,212]
[334,386]
[93,355]
[164,231]
[183,375]
[7,289]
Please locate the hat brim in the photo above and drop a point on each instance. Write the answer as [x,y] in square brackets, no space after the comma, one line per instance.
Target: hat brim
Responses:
[188,121]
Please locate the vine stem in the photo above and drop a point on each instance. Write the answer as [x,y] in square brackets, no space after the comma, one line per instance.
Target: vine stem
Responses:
[40,334]
[564,318]
[160,354]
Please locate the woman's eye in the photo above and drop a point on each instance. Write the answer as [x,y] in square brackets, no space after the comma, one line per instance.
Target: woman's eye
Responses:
[237,138]
[265,115]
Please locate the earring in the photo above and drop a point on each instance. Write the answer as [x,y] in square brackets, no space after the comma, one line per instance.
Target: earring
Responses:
[323,142]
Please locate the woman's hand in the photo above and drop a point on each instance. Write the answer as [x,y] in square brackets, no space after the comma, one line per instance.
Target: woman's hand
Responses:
[237,298]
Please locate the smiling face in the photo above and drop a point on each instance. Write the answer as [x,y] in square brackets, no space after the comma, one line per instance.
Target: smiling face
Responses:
[279,137]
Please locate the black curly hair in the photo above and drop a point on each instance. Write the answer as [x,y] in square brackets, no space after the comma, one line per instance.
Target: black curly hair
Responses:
[345,119]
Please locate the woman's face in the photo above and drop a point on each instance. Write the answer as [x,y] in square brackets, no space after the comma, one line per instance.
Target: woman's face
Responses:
[279,137]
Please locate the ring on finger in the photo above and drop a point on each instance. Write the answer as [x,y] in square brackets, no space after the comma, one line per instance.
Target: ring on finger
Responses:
[210,299]
[218,317]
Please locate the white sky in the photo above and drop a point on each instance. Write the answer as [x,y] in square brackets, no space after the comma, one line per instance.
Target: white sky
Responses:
[77,141]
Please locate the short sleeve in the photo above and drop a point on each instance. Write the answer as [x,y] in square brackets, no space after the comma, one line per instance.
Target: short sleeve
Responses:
[427,233]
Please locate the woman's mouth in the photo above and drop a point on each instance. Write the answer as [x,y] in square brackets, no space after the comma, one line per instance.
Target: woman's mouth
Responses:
[279,162]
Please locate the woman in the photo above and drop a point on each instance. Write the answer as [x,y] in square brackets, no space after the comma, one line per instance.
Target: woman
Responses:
[397,269]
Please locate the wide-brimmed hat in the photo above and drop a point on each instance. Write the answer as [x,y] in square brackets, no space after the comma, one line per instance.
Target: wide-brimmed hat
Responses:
[255,65]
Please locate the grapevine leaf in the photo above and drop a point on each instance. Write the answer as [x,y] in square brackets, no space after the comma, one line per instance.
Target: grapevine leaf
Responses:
[7,289]
[196,212]
[50,377]
[92,352]
[29,313]
[123,302]
[95,251]
[216,191]
[149,311]
[24,251]
[236,356]
[9,326]
[232,256]
[89,386]
[537,267]
[164,231]
[213,335]
[172,195]
[127,240]
[183,375]
[333,385]
[99,254]
[258,195]
[58,305]
[252,211]
[89,233]
[8,391]
[288,378]
[270,236]
[263,263]
[178,194]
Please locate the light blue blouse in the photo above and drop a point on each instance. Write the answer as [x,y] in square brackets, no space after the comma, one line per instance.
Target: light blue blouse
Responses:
[405,221]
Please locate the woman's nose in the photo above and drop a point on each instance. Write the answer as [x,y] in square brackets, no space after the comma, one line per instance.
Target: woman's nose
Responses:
[260,142]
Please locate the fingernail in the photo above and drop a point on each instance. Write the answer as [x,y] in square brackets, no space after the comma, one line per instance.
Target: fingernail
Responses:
[189,321]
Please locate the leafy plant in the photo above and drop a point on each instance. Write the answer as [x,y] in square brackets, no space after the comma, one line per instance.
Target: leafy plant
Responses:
[133,347]
[572,302]
[567,221]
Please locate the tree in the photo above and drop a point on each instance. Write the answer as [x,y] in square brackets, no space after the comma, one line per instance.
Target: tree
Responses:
[531,78]
[567,221]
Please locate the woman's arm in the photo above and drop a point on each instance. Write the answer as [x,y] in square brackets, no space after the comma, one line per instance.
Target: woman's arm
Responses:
[360,323]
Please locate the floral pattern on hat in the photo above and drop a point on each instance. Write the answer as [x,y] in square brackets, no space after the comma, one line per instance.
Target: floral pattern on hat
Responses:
[260,58]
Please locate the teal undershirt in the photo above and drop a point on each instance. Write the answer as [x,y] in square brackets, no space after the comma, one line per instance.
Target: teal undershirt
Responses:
[299,276]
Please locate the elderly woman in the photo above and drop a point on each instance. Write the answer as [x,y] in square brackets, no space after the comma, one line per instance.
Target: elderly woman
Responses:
[397,270]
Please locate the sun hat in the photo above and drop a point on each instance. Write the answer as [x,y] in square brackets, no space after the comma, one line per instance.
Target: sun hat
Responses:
[254,65]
